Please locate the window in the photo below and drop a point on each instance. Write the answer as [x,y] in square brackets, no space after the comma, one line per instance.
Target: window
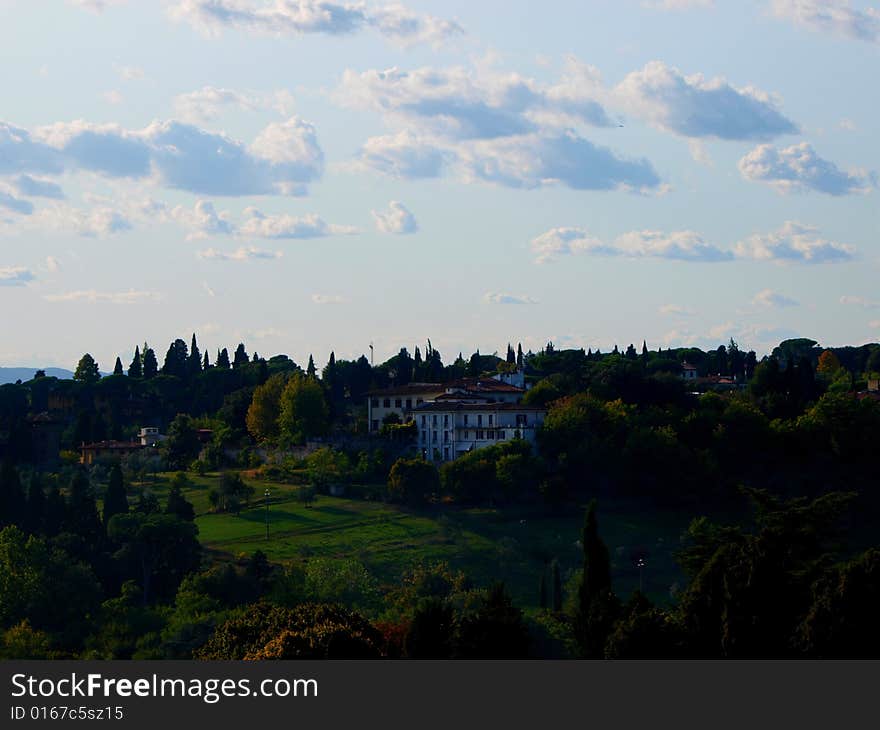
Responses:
[419,401]
[521,420]
[374,402]
[480,420]
[480,435]
[465,419]
[467,434]
[446,454]
[375,426]
[446,437]
[386,403]
[424,419]
[398,403]
[490,419]
[434,419]
[502,435]
[409,402]
[434,436]
[445,420]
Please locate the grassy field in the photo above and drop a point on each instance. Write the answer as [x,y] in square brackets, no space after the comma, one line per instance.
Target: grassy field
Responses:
[510,544]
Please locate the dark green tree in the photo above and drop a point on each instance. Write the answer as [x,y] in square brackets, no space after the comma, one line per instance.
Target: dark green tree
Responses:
[181,445]
[597,606]
[177,504]
[87,370]
[240,357]
[194,363]
[557,586]
[35,506]
[135,370]
[431,633]
[177,360]
[12,497]
[223,359]
[115,499]
[117,368]
[151,365]
[311,370]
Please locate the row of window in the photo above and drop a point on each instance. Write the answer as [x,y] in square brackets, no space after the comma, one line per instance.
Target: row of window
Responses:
[521,420]
[398,402]
[479,435]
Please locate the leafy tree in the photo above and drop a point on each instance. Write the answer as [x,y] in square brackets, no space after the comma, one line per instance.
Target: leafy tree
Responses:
[177,360]
[81,515]
[304,413]
[644,632]
[151,365]
[223,359]
[265,409]
[87,370]
[230,493]
[412,480]
[309,631]
[135,370]
[181,444]
[431,633]
[177,504]
[240,357]
[495,631]
[159,549]
[115,499]
[12,497]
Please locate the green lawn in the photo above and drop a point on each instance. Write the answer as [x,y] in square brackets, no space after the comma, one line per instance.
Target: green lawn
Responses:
[510,544]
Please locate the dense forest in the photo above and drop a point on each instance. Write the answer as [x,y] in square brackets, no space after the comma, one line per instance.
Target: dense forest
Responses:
[773,459]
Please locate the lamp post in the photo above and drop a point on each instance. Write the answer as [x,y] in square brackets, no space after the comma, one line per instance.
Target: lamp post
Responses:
[641,565]
[266,495]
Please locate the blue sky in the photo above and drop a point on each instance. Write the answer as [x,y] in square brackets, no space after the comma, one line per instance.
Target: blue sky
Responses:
[307,175]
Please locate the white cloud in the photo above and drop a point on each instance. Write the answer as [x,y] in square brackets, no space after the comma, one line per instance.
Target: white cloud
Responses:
[567,241]
[863,302]
[498,298]
[283,158]
[794,242]
[53,265]
[404,155]
[836,17]
[129,73]
[328,299]
[15,276]
[770,299]
[92,296]
[695,107]
[397,219]
[97,222]
[676,310]
[300,17]
[677,4]
[677,245]
[799,168]
[207,103]
[260,225]
[113,97]
[37,187]
[848,125]
[96,6]
[14,204]
[208,290]
[245,253]
[203,220]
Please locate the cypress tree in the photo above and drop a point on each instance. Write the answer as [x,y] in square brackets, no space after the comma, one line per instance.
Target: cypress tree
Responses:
[135,370]
[223,359]
[117,368]
[151,365]
[194,364]
[311,369]
[597,605]
[205,362]
[511,356]
[520,360]
[115,501]
[177,504]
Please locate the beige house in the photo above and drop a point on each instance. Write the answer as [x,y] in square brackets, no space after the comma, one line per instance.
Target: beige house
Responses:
[399,400]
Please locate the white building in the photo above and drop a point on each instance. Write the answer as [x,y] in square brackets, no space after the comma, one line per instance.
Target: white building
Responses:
[449,429]
[149,436]
[688,371]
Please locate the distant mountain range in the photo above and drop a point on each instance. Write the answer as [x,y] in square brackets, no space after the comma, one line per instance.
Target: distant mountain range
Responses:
[10,375]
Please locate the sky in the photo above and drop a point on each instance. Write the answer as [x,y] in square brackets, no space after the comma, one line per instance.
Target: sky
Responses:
[306,175]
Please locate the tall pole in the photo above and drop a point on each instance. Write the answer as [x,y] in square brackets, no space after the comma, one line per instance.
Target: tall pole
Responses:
[266,494]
